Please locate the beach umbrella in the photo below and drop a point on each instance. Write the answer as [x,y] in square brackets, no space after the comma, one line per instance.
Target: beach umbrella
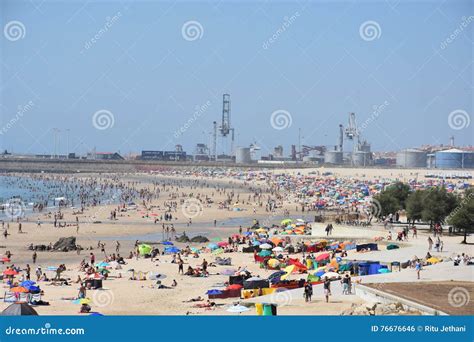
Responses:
[285,222]
[276,240]
[288,270]
[171,250]
[237,309]
[265,246]
[254,279]
[5,259]
[433,260]
[330,275]
[261,230]
[265,253]
[222,243]
[27,283]
[322,257]
[19,289]
[216,239]
[10,272]
[273,263]
[234,287]
[144,249]
[19,309]
[276,274]
[217,251]
[256,243]
[214,292]
[319,273]
[102,264]
[384,270]
[212,246]
[167,243]
[278,249]
[96,275]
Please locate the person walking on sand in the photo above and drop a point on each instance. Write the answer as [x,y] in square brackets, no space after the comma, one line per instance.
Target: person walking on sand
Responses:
[34,257]
[418,268]
[117,246]
[180,266]
[327,289]
[430,243]
[308,292]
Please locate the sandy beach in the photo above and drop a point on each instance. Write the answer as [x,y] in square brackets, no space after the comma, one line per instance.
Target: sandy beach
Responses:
[120,295]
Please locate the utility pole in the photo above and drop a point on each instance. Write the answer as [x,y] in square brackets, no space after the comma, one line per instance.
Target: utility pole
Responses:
[67,142]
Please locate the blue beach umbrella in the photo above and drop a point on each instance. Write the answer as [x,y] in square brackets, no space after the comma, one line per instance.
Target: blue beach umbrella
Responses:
[212,246]
[167,243]
[27,283]
[171,250]
[213,292]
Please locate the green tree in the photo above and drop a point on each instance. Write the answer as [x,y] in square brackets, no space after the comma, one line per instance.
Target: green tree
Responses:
[414,205]
[462,216]
[437,205]
[400,191]
[392,198]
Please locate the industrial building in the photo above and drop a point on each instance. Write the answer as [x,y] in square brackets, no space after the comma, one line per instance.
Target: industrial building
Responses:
[164,155]
[454,159]
[411,158]
[104,156]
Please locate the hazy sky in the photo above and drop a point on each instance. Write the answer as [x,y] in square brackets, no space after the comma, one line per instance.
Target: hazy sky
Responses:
[146,65]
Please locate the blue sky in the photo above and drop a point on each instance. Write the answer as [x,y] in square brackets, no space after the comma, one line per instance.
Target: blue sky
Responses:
[150,76]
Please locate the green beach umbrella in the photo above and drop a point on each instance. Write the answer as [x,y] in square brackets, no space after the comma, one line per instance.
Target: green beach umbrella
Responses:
[144,249]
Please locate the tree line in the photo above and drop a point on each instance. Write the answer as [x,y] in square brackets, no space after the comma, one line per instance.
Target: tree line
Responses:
[434,205]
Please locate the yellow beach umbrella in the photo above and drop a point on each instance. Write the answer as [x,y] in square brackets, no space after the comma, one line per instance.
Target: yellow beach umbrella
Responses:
[288,270]
[433,260]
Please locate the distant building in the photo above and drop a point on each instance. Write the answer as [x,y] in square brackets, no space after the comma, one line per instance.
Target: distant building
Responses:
[164,155]
[104,156]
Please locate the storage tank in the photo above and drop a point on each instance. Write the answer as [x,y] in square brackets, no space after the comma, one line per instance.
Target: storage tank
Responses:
[242,155]
[412,158]
[454,159]
[361,158]
[333,157]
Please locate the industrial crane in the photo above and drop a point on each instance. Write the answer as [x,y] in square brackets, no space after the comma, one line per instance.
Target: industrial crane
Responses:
[225,128]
